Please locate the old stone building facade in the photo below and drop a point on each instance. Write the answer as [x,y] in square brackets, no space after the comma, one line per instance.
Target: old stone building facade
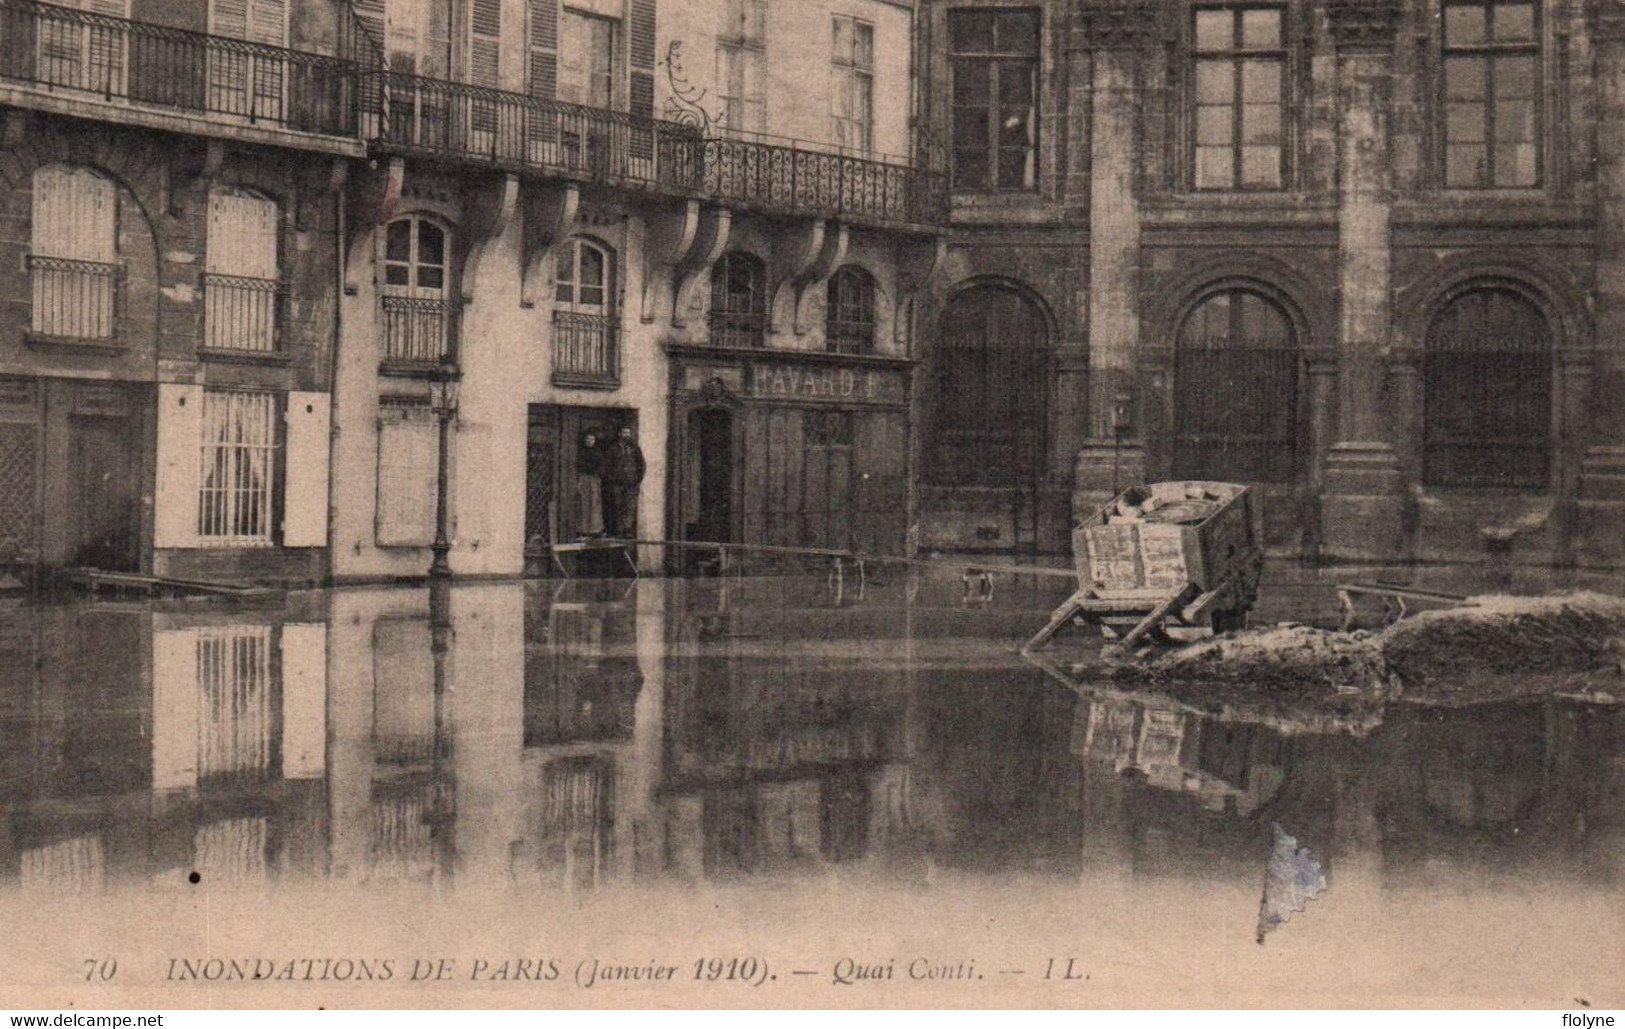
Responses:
[279,268]
[1360,252]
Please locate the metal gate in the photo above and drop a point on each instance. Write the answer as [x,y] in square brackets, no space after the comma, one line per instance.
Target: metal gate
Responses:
[1236,392]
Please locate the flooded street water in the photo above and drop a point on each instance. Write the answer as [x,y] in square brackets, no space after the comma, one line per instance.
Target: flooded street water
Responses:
[757,792]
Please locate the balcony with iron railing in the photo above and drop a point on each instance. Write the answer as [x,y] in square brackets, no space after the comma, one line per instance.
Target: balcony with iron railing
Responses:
[462,122]
[586,350]
[774,174]
[241,315]
[417,331]
[51,50]
[74,302]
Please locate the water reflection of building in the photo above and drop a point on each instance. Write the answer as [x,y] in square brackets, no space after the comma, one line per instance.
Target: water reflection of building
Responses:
[161,744]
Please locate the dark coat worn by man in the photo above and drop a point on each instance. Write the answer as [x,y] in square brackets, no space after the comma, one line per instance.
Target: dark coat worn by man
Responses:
[621,475]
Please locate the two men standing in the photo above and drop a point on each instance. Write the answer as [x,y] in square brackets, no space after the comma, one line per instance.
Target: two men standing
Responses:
[620,477]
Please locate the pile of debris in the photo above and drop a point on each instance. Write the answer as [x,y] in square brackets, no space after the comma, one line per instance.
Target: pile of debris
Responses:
[1491,647]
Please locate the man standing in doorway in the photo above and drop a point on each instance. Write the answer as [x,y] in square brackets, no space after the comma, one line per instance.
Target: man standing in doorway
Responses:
[621,476]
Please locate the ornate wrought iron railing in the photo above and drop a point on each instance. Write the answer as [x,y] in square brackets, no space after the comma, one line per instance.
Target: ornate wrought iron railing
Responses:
[779,176]
[458,120]
[119,59]
[74,300]
[586,350]
[241,313]
[417,330]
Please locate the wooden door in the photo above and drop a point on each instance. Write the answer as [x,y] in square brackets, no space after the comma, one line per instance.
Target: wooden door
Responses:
[105,534]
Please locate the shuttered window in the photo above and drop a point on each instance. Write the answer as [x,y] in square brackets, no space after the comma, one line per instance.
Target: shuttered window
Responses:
[248,82]
[408,464]
[484,58]
[240,284]
[73,270]
[89,57]
[238,466]
[542,70]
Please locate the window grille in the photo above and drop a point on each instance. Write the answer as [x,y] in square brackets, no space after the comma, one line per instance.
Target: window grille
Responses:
[738,302]
[850,328]
[234,679]
[72,268]
[1236,391]
[992,390]
[1487,381]
[239,457]
[241,291]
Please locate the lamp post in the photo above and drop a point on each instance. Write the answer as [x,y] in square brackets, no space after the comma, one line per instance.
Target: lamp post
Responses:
[443,390]
[441,816]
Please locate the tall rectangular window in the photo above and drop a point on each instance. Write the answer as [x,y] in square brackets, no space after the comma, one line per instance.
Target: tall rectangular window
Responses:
[587,59]
[238,465]
[1239,97]
[852,82]
[994,66]
[73,254]
[240,284]
[1492,94]
[741,57]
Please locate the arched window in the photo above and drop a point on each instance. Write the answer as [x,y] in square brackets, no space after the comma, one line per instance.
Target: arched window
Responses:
[1487,381]
[850,327]
[738,301]
[1236,391]
[585,350]
[73,257]
[417,311]
[992,386]
[240,284]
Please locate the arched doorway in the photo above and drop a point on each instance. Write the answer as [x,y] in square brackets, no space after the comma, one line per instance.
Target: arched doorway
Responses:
[992,385]
[1236,391]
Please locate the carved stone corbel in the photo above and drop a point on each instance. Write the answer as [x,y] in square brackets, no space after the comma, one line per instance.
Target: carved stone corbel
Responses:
[491,210]
[919,264]
[551,210]
[667,243]
[712,240]
[817,248]
[376,198]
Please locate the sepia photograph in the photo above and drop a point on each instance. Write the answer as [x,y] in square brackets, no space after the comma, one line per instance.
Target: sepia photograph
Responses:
[519,505]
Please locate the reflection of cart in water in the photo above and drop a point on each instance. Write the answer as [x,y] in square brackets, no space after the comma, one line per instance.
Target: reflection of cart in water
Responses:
[1168,559]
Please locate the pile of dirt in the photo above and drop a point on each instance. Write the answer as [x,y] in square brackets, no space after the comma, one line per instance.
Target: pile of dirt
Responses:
[1493,647]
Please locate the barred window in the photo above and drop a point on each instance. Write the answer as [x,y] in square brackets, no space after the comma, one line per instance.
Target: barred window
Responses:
[73,268]
[850,328]
[1492,86]
[738,301]
[994,64]
[1239,59]
[234,684]
[240,284]
[238,466]
[992,387]
[1487,381]
[1236,391]
[852,84]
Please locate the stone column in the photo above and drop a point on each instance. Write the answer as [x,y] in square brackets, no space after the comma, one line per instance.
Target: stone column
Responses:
[1598,541]
[1364,488]
[1115,35]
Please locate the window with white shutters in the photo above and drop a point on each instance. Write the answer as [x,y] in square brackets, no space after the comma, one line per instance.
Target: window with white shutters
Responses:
[238,467]
[73,266]
[408,469]
[248,81]
[241,287]
[542,73]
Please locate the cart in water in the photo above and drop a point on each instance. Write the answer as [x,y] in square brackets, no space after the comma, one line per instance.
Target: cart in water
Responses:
[1169,560]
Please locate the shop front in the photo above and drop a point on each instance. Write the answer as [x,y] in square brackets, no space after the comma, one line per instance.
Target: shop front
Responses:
[792,450]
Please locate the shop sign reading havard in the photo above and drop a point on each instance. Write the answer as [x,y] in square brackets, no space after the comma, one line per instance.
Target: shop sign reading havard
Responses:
[866,385]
